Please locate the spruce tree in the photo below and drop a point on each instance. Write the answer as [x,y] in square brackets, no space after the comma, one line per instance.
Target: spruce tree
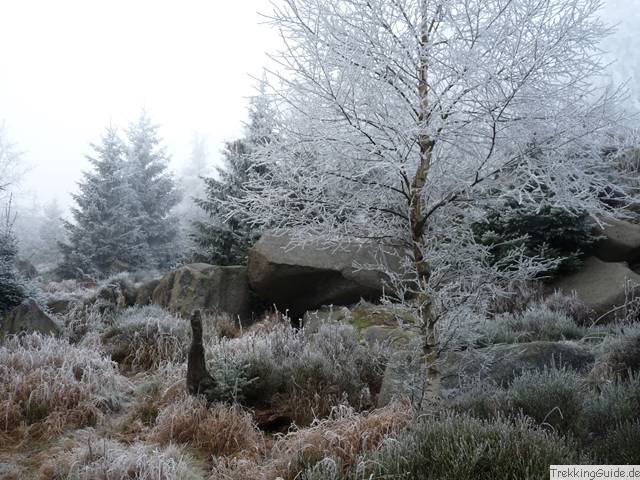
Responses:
[155,190]
[225,239]
[106,235]
[11,287]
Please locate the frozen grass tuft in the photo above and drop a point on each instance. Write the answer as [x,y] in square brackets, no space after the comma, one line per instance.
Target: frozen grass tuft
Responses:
[537,322]
[89,457]
[143,338]
[218,430]
[48,385]
[304,374]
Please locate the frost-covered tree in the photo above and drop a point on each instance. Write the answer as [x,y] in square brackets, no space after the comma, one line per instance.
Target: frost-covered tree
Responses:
[192,186]
[12,289]
[224,237]
[155,189]
[401,120]
[106,234]
[10,161]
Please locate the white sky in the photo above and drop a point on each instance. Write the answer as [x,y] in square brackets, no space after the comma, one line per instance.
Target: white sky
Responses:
[70,67]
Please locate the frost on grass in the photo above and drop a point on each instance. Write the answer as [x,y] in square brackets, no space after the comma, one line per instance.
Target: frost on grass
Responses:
[89,457]
[48,385]
[142,338]
[218,429]
[304,374]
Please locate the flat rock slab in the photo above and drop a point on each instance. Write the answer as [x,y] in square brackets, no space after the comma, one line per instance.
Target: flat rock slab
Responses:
[299,278]
[622,243]
[600,285]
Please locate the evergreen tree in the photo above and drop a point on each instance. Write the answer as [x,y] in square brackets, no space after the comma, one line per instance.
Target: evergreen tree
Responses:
[155,191]
[224,239]
[11,288]
[107,234]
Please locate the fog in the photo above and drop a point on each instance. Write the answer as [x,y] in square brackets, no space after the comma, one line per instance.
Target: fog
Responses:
[71,67]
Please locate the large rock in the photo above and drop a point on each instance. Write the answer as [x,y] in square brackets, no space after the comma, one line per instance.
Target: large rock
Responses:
[622,242]
[205,287]
[299,279]
[28,317]
[600,285]
[404,375]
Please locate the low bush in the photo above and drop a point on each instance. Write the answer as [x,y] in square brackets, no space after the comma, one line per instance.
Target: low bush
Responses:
[462,447]
[620,356]
[142,338]
[305,375]
[537,322]
[47,385]
[553,397]
[89,457]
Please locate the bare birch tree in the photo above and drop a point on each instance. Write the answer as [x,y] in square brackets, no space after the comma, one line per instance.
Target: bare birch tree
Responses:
[398,119]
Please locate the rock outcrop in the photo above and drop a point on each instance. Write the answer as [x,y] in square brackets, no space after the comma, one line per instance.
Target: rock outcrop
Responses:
[600,285]
[299,279]
[204,287]
[28,317]
[622,242]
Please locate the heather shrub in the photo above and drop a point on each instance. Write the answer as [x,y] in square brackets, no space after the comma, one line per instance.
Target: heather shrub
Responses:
[611,404]
[304,374]
[89,457]
[47,385]
[620,355]
[537,322]
[466,448]
[620,445]
[218,430]
[142,338]
[570,306]
[553,398]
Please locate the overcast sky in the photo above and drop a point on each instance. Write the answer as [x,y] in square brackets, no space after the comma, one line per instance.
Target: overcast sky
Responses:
[70,67]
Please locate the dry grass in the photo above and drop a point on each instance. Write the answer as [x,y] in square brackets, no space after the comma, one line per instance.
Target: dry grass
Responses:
[89,457]
[218,430]
[345,435]
[143,338]
[48,385]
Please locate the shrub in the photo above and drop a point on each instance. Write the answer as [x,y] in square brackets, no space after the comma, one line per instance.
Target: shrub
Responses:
[536,323]
[553,397]
[47,385]
[621,357]
[142,338]
[620,445]
[570,306]
[218,430]
[462,447]
[615,403]
[89,457]
[546,232]
[303,374]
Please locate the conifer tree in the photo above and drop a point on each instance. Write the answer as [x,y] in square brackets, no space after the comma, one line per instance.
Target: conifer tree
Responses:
[155,191]
[107,233]
[11,288]
[224,239]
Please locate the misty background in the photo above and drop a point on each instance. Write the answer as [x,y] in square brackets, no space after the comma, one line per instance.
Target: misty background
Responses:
[70,68]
